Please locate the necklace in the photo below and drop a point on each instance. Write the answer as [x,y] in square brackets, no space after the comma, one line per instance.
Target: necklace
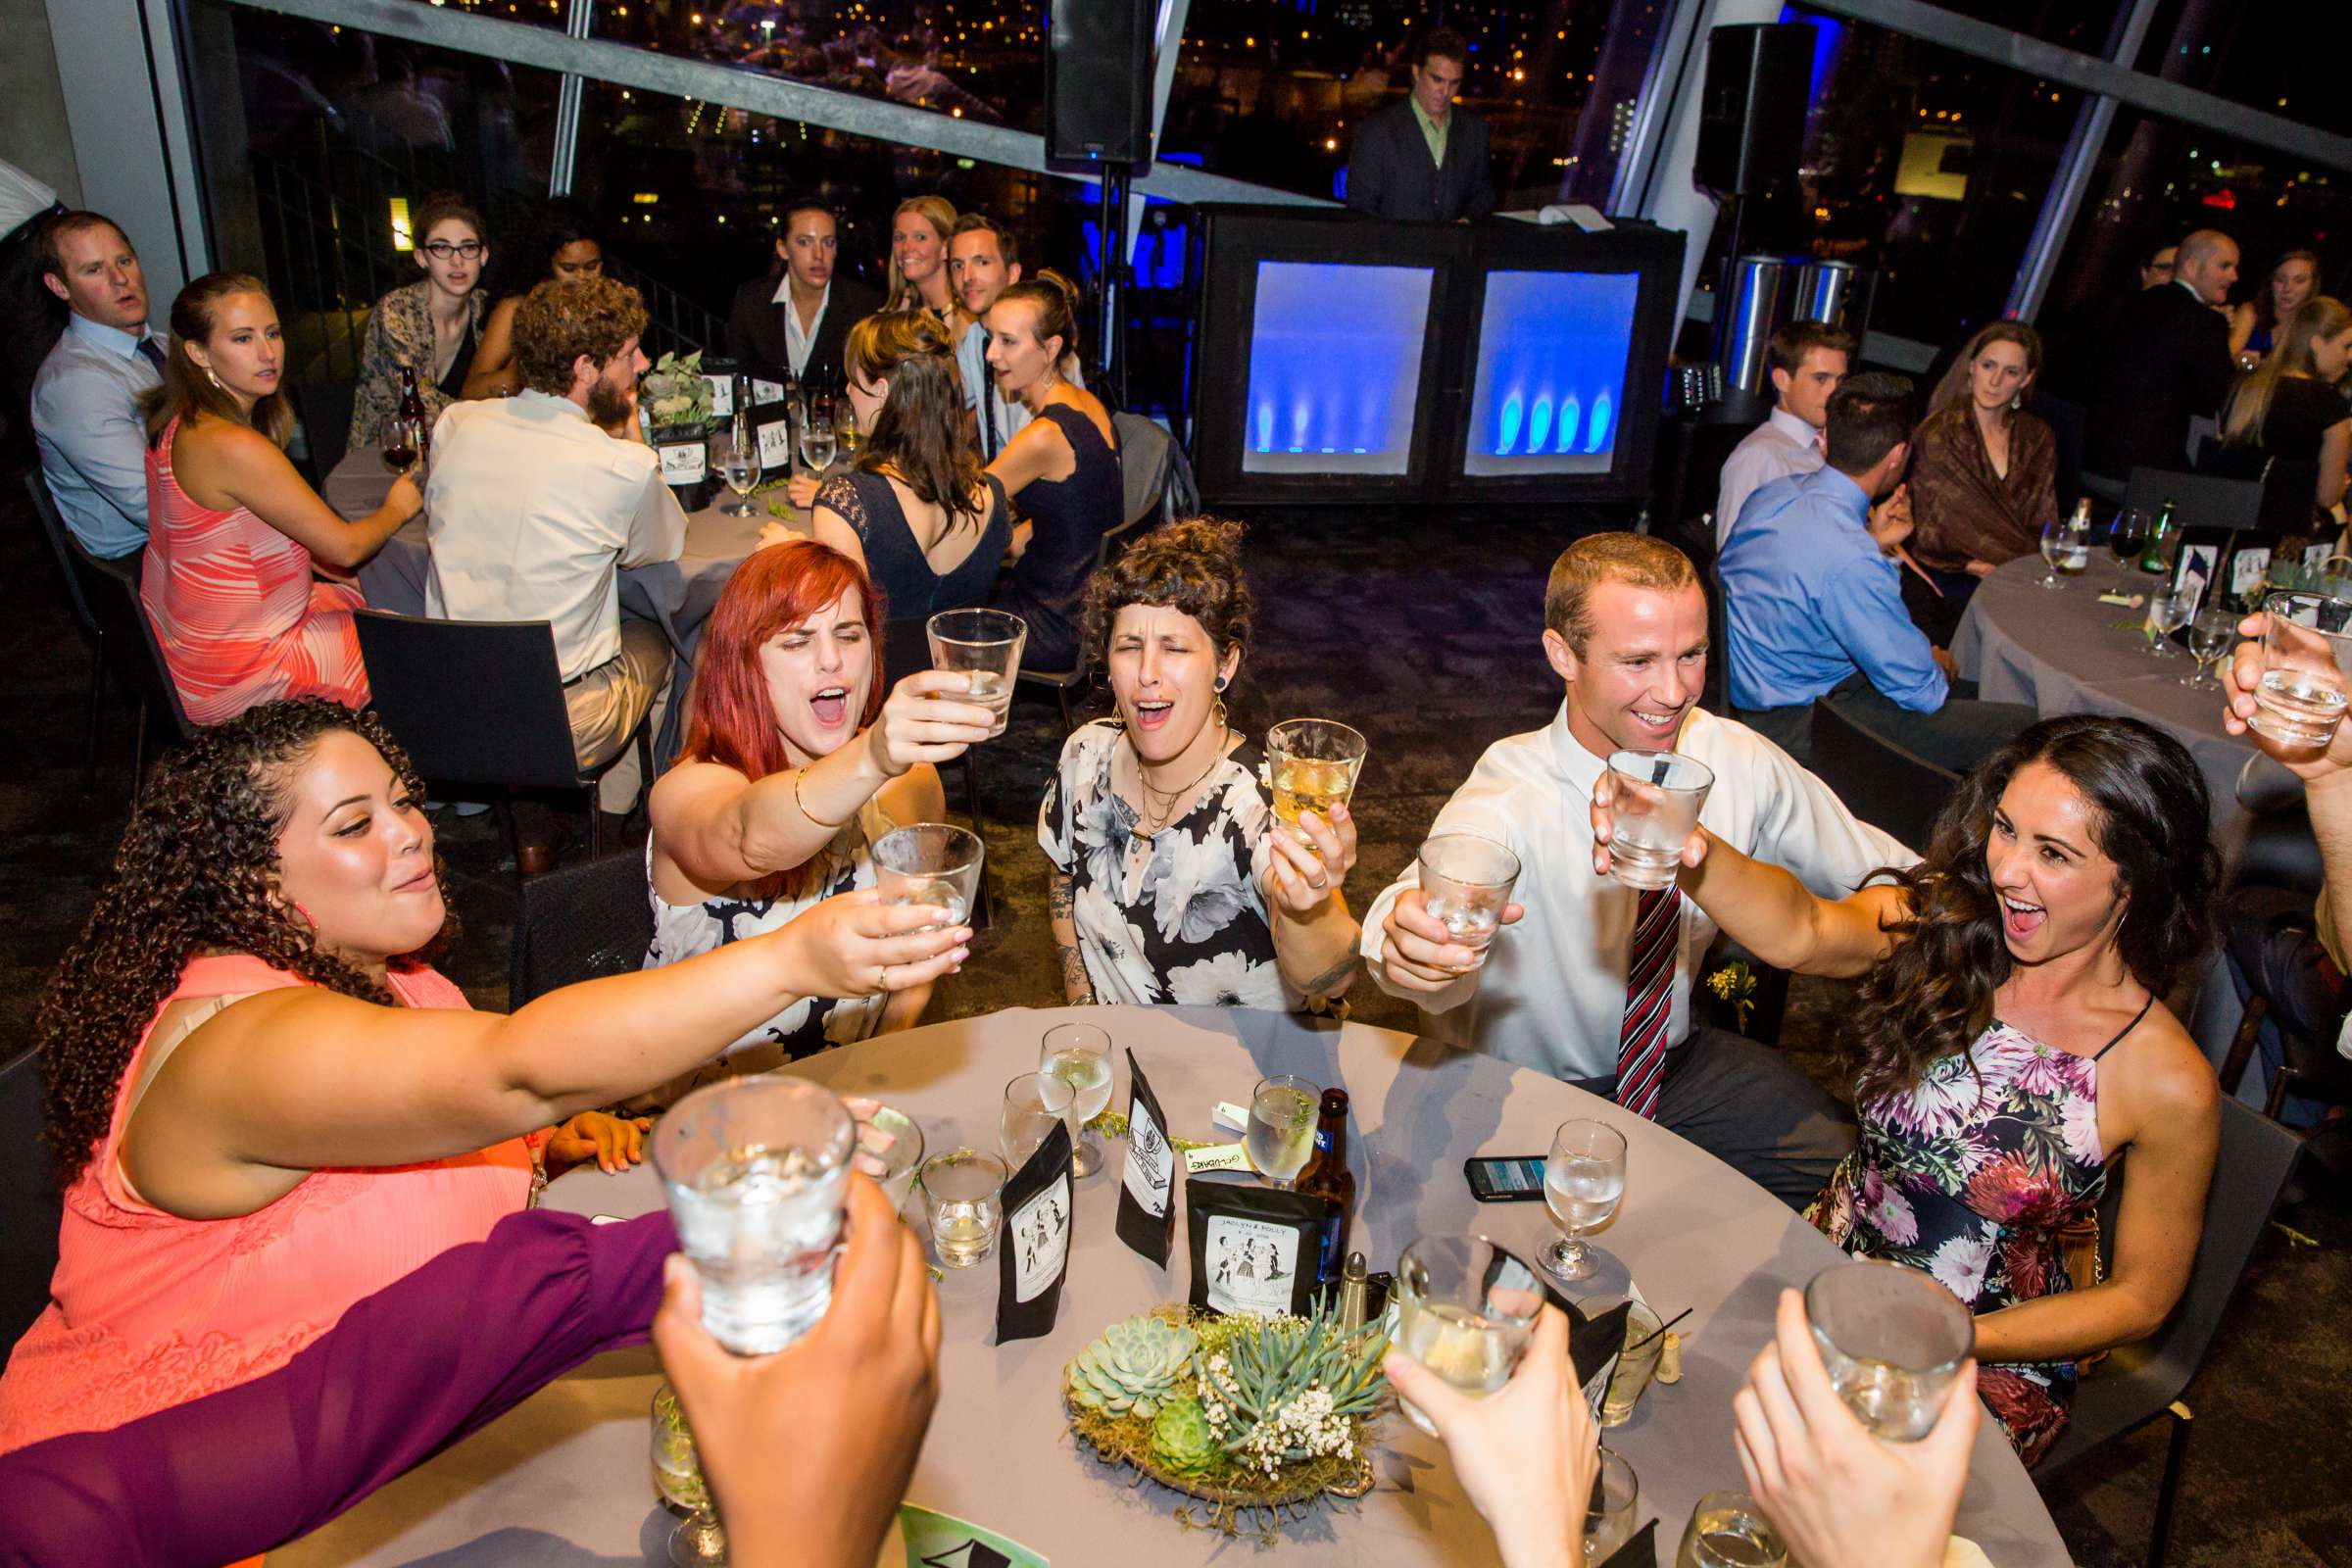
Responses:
[1156,817]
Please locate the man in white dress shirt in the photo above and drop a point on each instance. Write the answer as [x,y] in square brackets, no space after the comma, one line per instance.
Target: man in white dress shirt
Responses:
[85,400]
[1567,989]
[1806,360]
[534,509]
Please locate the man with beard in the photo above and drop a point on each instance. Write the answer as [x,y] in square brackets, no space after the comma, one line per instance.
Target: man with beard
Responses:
[534,509]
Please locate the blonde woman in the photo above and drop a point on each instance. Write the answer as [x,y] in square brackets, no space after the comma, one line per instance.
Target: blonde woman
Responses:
[2256,325]
[920,232]
[2288,407]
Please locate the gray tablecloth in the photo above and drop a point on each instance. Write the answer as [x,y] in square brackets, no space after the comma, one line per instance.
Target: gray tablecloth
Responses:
[563,1479]
[2065,651]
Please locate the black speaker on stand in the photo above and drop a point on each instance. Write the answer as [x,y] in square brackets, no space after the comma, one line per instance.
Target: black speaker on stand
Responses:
[1099,121]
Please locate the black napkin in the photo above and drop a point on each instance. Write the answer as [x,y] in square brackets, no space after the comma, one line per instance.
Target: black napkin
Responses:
[1034,1254]
[1148,1186]
[1640,1553]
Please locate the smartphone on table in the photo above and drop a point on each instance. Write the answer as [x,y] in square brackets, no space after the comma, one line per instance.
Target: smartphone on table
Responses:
[1505,1178]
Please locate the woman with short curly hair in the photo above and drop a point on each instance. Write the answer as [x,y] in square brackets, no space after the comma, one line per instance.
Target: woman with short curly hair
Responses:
[1171,880]
[265,1103]
[2008,1044]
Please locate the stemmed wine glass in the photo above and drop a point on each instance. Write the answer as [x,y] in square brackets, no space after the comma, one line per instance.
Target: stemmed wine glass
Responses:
[846,433]
[817,435]
[1079,1055]
[2210,637]
[1584,1182]
[2127,536]
[2066,547]
[736,453]
[2169,610]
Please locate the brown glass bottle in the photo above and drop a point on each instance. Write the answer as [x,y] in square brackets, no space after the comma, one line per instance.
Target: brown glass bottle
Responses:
[1328,1177]
[410,430]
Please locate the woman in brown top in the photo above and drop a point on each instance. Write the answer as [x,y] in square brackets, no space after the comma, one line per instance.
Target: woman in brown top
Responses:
[1983,471]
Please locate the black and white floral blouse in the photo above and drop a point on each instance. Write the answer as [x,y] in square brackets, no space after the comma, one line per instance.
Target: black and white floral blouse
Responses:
[1179,917]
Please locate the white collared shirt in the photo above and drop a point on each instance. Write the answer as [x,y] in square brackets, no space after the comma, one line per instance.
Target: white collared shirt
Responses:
[1551,994]
[534,510]
[1780,446]
[797,338]
[91,435]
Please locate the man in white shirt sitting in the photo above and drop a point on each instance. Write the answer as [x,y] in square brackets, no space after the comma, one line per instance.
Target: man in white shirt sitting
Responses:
[1807,360]
[85,400]
[1593,982]
[534,509]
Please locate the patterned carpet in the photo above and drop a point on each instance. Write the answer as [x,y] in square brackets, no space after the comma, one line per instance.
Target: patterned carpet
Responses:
[1420,629]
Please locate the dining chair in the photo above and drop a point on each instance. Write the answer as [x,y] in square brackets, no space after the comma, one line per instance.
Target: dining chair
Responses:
[579,922]
[481,702]
[323,406]
[1893,789]
[2199,500]
[2145,1382]
[29,1205]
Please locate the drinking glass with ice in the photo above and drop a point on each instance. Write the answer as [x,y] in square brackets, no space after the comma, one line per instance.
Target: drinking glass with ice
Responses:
[1657,798]
[754,1169]
[935,863]
[1465,1309]
[1465,884]
[984,645]
[1893,1339]
[2306,656]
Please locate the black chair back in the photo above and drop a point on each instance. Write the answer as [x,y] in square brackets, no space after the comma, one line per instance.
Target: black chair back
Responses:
[2199,500]
[2138,1382]
[30,1207]
[53,527]
[1892,789]
[580,922]
[324,410]
[1147,455]
[108,593]
[473,702]
[2289,485]
[2067,422]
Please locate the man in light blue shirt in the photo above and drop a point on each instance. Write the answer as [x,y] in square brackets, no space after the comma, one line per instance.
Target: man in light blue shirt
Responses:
[85,400]
[1813,610]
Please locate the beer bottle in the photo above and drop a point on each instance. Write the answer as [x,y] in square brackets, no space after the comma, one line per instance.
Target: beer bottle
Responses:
[414,428]
[1328,1177]
[2156,559]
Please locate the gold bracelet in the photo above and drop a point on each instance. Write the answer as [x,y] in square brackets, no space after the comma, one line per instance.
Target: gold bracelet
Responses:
[797,775]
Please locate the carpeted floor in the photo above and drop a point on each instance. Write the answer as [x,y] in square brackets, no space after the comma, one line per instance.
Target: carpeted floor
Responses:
[1419,628]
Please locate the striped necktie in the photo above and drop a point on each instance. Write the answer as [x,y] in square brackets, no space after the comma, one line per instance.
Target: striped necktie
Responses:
[1649,999]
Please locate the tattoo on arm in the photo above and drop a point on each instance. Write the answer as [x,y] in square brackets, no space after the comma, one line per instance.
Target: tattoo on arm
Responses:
[1062,896]
[1075,985]
[1333,980]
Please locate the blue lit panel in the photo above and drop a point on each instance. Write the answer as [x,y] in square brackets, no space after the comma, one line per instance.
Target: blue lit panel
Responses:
[1550,384]
[1335,368]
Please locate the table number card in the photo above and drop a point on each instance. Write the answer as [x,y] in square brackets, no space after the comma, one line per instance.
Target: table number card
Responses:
[684,463]
[767,391]
[1148,1188]
[775,444]
[722,395]
[942,1541]
[1035,1253]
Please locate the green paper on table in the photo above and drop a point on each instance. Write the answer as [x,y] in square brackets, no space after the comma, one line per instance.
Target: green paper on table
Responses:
[943,1541]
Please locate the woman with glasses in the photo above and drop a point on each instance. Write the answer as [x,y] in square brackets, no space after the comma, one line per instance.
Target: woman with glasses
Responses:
[432,325]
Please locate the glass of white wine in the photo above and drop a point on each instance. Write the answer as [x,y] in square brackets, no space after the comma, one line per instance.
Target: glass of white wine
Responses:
[2210,636]
[816,436]
[2169,610]
[1282,1128]
[1584,1182]
[1465,1308]
[2065,548]
[1893,1339]
[735,454]
[1727,1530]
[1079,1055]
[1312,764]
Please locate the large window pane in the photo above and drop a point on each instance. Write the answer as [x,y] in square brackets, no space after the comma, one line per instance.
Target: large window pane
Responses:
[2264,55]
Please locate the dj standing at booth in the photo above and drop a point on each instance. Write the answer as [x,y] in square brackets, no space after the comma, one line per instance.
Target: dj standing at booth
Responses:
[1424,159]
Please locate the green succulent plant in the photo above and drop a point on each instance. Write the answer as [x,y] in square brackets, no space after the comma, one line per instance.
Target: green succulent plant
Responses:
[1268,1362]
[1136,1365]
[1181,1439]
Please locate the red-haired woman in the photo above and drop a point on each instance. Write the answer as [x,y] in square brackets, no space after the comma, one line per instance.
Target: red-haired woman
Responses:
[794,763]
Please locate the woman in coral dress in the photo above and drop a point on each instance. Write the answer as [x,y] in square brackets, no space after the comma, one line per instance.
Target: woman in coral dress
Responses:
[266,1105]
[234,533]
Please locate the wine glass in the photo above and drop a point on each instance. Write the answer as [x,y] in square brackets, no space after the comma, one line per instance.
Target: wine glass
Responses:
[2169,610]
[1033,1103]
[1584,1182]
[1079,1055]
[1282,1128]
[698,1540]
[2066,547]
[2127,536]
[846,433]
[736,456]
[2210,636]
[817,435]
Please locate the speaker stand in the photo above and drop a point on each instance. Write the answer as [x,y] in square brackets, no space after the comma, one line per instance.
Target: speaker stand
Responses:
[1113,275]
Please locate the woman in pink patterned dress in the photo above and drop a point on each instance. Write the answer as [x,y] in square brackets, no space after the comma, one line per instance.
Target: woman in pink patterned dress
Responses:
[266,1103]
[234,532]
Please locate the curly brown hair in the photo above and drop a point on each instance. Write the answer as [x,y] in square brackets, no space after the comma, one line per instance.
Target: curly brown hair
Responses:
[196,871]
[559,322]
[1933,993]
[1194,566]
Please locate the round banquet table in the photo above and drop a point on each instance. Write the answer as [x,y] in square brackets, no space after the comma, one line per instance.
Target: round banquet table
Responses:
[2064,652]
[564,1479]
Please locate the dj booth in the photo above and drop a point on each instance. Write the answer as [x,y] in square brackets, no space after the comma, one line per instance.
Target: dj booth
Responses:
[1343,358]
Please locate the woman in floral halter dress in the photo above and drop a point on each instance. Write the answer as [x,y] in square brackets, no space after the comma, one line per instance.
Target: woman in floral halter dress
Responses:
[2007,1045]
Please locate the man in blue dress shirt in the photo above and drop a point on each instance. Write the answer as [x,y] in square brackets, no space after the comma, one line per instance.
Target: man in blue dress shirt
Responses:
[85,400]
[1813,609]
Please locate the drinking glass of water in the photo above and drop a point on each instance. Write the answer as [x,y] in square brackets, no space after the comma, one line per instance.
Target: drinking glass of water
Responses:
[1282,1128]
[2210,637]
[1312,763]
[984,645]
[735,454]
[1727,1530]
[2064,549]
[1893,1339]
[1584,1181]
[1465,883]
[1465,1308]
[817,435]
[2169,610]
[1610,1516]
[754,1169]
[1035,1103]
[2306,656]
[930,863]
[1079,1055]
[890,1150]
[1657,801]
[963,1198]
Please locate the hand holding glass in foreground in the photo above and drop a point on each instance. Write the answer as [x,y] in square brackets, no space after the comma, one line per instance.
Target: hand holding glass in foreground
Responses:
[1419,953]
